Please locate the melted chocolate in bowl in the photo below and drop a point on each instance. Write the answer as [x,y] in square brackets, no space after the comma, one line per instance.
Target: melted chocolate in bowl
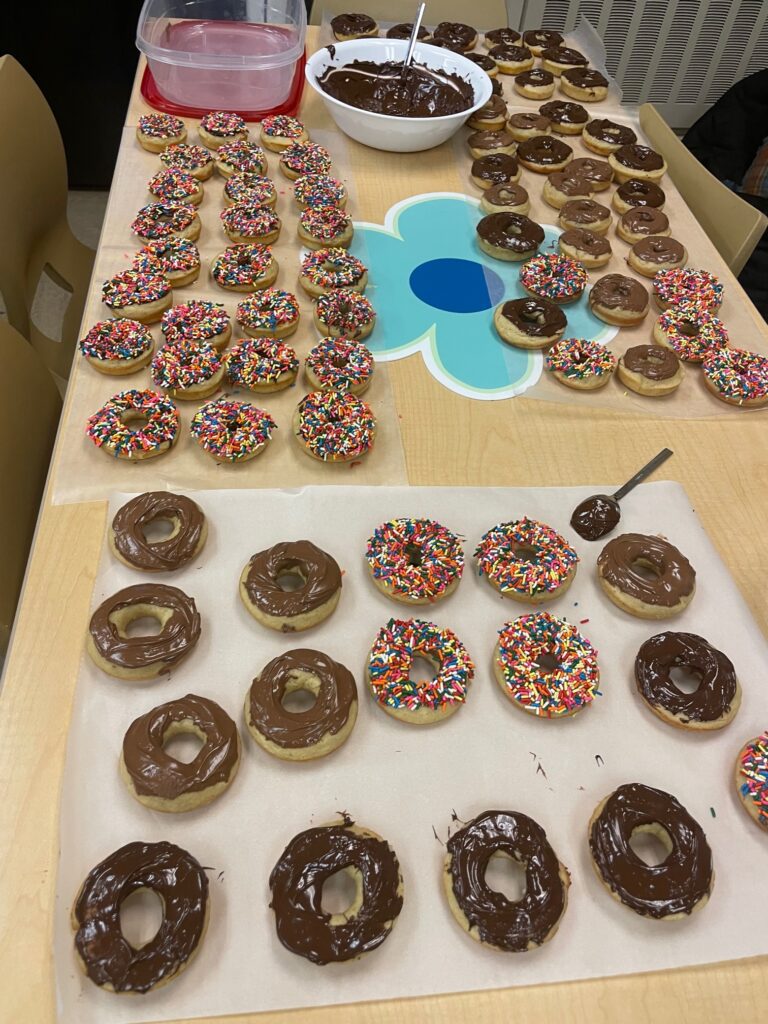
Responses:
[383,89]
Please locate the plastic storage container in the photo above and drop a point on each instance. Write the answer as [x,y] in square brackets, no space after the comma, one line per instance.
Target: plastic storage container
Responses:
[241,55]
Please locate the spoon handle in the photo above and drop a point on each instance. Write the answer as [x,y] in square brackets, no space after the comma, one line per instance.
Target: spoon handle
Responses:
[638,478]
[414,35]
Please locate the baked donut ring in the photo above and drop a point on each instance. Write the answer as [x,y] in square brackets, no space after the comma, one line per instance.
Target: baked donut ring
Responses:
[177,259]
[562,186]
[218,127]
[527,125]
[489,917]
[339,364]
[303,735]
[635,193]
[127,531]
[103,951]
[691,332]
[250,187]
[501,37]
[603,136]
[651,370]
[494,169]
[167,220]
[196,160]
[302,158]
[553,277]
[526,560]
[263,365]
[279,131]
[291,611]
[416,561]
[598,173]
[457,31]
[270,313]
[737,376]
[505,198]
[296,883]
[619,300]
[678,886]
[638,222]
[344,312]
[635,161]
[311,191]
[655,253]
[483,143]
[581,363]
[752,779]
[334,426]
[540,39]
[535,84]
[529,323]
[247,267]
[173,185]
[188,370]
[558,59]
[163,783]
[353,26]
[199,321]
[567,118]
[155,131]
[118,346]
[138,296]
[110,426]
[581,244]
[143,656]
[544,154]
[623,570]
[584,84]
[511,58]
[490,117]
[232,431]
[248,222]
[509,236]
[680,287]
[325,226]
[585,213]
[327,269]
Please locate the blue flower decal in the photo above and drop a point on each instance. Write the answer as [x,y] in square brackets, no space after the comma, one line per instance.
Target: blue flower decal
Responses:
[435,291]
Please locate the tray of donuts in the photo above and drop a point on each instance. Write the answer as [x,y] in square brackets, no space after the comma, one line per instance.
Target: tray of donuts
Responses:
[550,659]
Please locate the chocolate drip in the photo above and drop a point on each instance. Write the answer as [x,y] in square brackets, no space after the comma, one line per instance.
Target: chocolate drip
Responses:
[500,922]
[542,37]
[615,291]
[562,112]
[641,193]
[176,638]
[586,241]
[509,194]
[596,516]
[618,564]
[644,220]
[593,170]
[496,167]
[654,362]
[608,131]
[319,570]
[297,879]
[352,24]
[383,89]
[535,77]
[329,713]
[564,55]
[537,318]
[512,231]
[639,158]
[659,249]
[135,516]
[155,773]
[182,885]
[502,37]
[584,211]
[585,78]
[544,150]
[653,675]
[679,883]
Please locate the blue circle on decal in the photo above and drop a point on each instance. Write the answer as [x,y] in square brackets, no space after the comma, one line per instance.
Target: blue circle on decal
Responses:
[456,286]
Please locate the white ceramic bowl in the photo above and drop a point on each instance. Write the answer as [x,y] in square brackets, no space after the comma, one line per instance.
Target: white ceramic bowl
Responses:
[383,131]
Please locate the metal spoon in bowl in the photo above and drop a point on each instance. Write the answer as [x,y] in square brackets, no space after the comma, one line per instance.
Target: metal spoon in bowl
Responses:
[597,515]
[414,37]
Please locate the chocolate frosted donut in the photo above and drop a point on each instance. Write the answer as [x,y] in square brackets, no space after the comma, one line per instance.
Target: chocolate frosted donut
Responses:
[639,193]
[488,142]
[511,54]
[291,610]
[494,169]
[681,883]
[493,112]
[618,299]
[556,57]
[622,568]
[598,172]
[353,26]
[297,879]
[539,39]
[403,31]
[483,60]
[654,362]
[585,78]
[457,30]
[657,252]
[564,183]
[162,782]
[105,954]
[489,916]
[560,112]
[577,213]
[302,735]
[527,125]
[604,136]
[509,196]
[509,235]
[543,153]
[143,657]
[502,37]
[128,540]
[635,161]
[530,323]
[536,78]
[642,220]
[581,244]
[711,706]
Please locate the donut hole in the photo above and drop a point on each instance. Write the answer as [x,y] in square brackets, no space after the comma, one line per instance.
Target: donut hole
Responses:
[685,679]
[342,895]
[422,670]
[339,361]
[525,553]
[134,420]
[183,741]
[141,916]
[651,844]
[160,529]
[547,663]
[301,692]
[646,570]
[289,577]
[140,620]
[413,554]
[506,875]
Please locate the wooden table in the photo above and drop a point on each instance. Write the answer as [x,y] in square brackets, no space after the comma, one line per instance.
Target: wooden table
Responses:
[447,440]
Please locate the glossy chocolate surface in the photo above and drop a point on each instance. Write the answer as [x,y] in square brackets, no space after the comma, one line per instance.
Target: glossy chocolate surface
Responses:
[502,36]
[536,77]
[641,193]
[538,318]
[644,220]
[639,158]
[653,676]
[610,132]
[383,89]
[542,37]
[564,55]
[506,54]
[404,29]
[619,564]
[528,121]
[586,241]
[508,194]
[584,211]
[617,291]
[659,249]
[512,231]
[489,140]
[457,30]
[596,516]
[498,168]
[654,362]
[563,112]
[569,184]
[352,24]
[319,570]
[591,169]
[132,519]
[544,150]
[585,78]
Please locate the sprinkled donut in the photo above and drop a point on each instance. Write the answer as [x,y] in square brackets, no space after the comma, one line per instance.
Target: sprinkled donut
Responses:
[344,312]
[752,778]
[334,426]
[172,185]
[177,258]
[219,127]
[691,331]
[245,187]
[245,268]
[162,220]
[262,364]
[197,160]
[339,364]
[245,222]
[548,693]
[325,226]
[581,364]
[197,320]
[390,662]
[527,561]
[188,370]
[315,190]
[553,277]
[137,296]
[109,427]
[232,431]
[117,346]
[156,131]
[737,376]
[278,132]
[327,269]
[240,158]
[671,287]
[416,561]
[270,313]
[302,158]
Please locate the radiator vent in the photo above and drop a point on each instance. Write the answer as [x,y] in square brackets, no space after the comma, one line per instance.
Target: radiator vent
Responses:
[681,56]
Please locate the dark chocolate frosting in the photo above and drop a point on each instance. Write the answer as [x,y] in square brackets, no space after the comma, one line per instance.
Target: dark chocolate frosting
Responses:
[616,291]
[654,362]
[155,773]
[564,55]
[586,241]
[608,131]
[495,107]
[510,54]
[297,880]
[618,561]
[490,140]
[641,193]
[544,150]
[329,713]
[596,516]
[483,60]
[456,30]
[644,220]
[496,88]
[383,89]
[585,78]
[319,570]
[659,249]
[562,112]
[584,211]
[498,168]
[134,517]
[512,231]
[502,36]
[509,194]
[538,318]
[404,29]
[665,651]
[182,885]
[542,37]
[591,169]
[513,926]
[535,77]
[448,43]
[570,184]
[676,885]
[639,158]
[352,24]
[176,638]
[527,120]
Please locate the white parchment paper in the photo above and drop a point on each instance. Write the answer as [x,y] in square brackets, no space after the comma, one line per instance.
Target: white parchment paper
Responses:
[405,782]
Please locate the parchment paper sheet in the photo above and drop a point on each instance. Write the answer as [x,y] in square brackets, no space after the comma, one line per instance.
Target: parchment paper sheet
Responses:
[404,781]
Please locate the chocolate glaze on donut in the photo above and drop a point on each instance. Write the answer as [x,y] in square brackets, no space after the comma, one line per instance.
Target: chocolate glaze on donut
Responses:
[495,107]
[608,131]
[644,220]
[542,37]
[641,193]
[510,54]
[536,77]
[319,570]
[537,318]
[586,241]
[512,231]
[616,291]
[679,883]
[564,55]
[563,112]
[585,78]
[457,30]
[352,24]
[544,150]
[502,37]
[508,194]
[500,922]
[570,184]
[182,885]
[528,121]
[135,516]
[654,362]
[639,158]
[490,140]
[403,31]
[584,211]
[659,249]
[496,167]
[618,560]
[297,880]
[593,170]
[483,60]
[653,675]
